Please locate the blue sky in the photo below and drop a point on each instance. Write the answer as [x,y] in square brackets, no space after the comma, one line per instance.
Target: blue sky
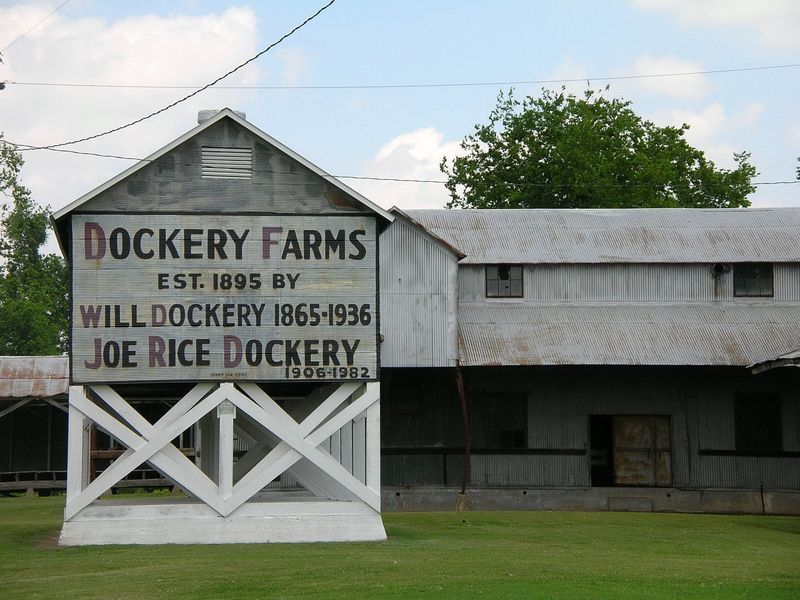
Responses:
[392,132]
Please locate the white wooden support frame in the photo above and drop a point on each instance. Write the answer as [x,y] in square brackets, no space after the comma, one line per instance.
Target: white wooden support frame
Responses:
[345,485]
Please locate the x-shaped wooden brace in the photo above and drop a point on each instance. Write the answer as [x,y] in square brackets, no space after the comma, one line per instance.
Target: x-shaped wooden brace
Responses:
[147,442]
[152,443]
[301,440]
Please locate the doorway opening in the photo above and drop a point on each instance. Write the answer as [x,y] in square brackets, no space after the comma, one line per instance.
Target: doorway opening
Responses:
[630,451]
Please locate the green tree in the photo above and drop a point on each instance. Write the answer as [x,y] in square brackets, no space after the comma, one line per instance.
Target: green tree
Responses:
[34,302]
[563,151]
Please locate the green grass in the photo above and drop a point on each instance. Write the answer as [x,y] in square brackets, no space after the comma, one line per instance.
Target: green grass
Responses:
[428,555]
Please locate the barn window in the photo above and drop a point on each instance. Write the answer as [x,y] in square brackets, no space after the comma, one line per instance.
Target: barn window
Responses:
[498,421]
[226,163]
[753,280]
[758,423]
[504,281]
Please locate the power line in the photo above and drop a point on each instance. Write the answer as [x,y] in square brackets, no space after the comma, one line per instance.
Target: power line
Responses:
[19,37]
[374,178]
[403,85]
[79,152]
[194,93]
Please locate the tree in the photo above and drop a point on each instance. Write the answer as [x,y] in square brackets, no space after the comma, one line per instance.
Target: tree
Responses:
[563,151]
[34,302]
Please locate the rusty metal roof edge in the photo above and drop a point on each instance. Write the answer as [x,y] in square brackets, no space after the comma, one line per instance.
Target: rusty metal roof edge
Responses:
[654,235]
[37,377]
[787,359]
[419,226]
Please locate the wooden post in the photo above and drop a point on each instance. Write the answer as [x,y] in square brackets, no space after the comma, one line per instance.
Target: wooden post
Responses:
[226,412]
[77,445]
[374,441]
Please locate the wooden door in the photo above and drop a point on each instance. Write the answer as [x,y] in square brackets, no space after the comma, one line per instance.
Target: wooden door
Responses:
[642,451]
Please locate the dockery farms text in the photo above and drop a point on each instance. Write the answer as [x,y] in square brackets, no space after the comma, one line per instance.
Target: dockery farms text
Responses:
[172,297]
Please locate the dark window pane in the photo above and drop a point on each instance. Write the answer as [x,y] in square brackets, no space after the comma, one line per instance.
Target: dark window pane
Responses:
[504,281]
[758,423]
[498,421]
[505,287]
[753,280]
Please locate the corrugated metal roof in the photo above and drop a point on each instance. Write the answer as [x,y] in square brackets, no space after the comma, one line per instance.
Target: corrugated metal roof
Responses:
[787,359]
[33,376]
[624,235]
[736,334]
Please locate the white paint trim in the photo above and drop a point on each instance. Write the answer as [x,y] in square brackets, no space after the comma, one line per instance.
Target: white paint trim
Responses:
[374,440]
[225,415]
[77,448]
[256,522]
[283,444]
[273,418]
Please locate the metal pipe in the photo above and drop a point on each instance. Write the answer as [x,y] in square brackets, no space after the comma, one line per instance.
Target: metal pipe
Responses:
[465,416]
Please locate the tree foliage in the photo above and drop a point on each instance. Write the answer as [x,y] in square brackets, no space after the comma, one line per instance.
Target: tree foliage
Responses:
[563,151]
[34,303]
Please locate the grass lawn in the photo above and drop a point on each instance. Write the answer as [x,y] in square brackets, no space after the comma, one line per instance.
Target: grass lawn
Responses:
[428,555]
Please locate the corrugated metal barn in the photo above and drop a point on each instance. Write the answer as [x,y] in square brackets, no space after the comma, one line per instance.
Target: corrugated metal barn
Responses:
[609,358]
[556,359]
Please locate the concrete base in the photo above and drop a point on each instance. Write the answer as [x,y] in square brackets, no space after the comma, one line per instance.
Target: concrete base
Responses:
[173,521]
[596,498]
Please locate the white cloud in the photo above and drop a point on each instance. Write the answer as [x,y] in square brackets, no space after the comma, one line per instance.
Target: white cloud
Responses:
[296,65]
[791,136]
[413,155]
[709,126]
[776,21]
[748,116]
[572,70]
[172,50]
[686,87]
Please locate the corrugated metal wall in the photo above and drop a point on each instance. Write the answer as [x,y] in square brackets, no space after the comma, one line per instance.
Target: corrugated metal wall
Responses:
[698,401]
[636,282]
[418,299]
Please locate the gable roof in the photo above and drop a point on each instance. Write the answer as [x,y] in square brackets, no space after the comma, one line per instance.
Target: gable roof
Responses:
[442,243]
[225,113]
[665,235]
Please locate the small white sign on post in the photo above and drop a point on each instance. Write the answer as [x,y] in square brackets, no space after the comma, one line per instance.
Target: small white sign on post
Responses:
[223,298]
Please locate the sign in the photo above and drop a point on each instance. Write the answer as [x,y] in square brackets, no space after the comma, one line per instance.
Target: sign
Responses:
[213,297]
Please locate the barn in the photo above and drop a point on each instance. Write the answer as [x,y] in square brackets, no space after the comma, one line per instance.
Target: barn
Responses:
[611,359]
[541,359]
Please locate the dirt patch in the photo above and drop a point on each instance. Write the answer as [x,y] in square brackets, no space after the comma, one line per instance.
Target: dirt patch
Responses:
[50,541]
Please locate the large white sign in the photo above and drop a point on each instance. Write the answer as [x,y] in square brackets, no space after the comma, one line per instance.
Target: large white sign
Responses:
[213,297]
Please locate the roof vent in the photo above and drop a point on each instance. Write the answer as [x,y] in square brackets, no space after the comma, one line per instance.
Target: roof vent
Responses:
[226,163]
[205,115]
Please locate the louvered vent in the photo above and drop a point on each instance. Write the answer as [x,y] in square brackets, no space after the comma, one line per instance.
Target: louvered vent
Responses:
[226,163]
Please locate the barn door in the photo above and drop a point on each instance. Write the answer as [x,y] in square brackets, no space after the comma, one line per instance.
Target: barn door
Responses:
[642,451]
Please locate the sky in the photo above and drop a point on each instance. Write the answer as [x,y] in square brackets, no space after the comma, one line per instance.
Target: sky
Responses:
[394,132]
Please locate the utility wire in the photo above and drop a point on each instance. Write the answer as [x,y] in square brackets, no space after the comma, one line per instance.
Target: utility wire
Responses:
[194,93]
[371,178]
[402,85]
[19,37]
